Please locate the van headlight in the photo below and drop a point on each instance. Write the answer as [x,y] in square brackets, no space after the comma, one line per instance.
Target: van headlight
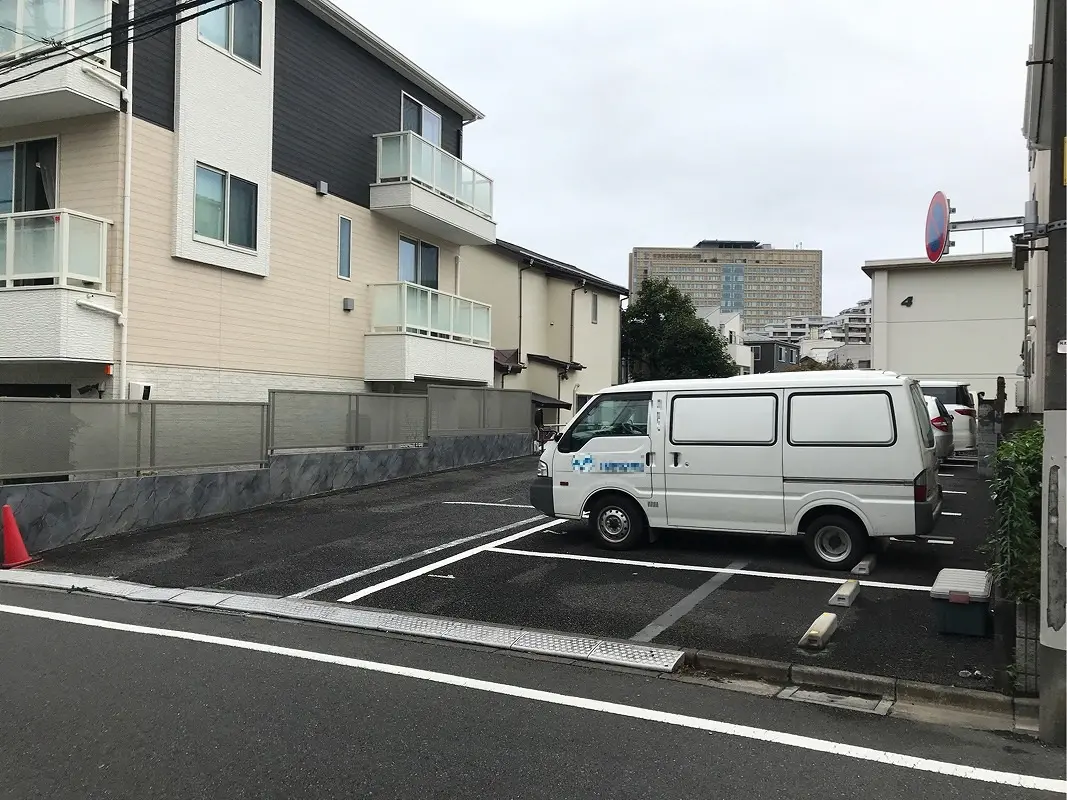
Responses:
[542,469]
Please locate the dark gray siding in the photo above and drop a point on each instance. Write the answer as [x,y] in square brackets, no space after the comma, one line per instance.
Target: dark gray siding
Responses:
[330,98]
[153,64]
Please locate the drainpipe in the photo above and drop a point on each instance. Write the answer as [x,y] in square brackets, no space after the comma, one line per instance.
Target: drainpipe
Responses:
[458,262]
[124,335]
[573,291]
[524,265]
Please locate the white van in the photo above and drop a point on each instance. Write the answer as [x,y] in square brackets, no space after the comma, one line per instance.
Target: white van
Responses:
[835,456]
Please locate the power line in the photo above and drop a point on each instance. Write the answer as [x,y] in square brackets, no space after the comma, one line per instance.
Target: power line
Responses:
[130,37]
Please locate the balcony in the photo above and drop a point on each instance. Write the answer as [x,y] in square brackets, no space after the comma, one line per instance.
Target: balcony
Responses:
[423,334]
[422,186]
[75,79]
[53,274]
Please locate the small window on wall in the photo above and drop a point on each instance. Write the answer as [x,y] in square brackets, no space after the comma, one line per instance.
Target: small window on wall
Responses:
[344,248]
[420,119]
[226,208]
[594,310]
[235,28]
[419,262]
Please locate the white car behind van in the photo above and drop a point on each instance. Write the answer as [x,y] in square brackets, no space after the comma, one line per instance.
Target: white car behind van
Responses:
[838,457]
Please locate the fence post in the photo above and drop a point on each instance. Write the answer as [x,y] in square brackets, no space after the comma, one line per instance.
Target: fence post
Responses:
[270,424]
[264,435]
[124,411]
[151,435]
[485,407]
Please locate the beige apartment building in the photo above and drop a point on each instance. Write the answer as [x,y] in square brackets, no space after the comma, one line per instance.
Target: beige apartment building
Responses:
[764,284]
[556,328]
[208,216]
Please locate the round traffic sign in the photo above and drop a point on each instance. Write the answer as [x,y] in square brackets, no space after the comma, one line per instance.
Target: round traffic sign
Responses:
[937,227]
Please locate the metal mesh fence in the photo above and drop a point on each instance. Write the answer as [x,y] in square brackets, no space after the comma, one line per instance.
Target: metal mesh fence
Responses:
[457,410]
[310,420]
[54,438]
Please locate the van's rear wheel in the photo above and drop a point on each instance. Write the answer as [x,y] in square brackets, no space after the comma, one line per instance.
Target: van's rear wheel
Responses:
[835,542]
[618,522]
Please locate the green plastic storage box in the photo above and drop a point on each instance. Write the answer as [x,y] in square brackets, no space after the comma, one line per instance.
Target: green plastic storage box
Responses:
[961,602]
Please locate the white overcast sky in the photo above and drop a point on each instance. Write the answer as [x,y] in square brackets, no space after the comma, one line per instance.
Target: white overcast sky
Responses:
[612,124]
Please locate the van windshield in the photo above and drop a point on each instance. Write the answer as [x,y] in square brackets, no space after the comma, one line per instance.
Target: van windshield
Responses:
[610,415]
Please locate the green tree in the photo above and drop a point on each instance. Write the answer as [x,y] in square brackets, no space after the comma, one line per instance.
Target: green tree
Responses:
[663,338]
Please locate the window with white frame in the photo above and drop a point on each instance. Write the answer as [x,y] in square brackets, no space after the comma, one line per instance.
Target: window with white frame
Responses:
[235,28]
[344,248]
[420,119]
[756,352]
[226,208]
[31,25]
[594,310]
[419,262]
[28,176]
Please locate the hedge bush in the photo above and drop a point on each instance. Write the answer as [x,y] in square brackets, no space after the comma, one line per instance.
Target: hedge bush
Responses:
[1015,542]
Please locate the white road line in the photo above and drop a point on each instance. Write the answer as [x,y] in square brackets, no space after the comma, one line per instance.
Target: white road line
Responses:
[444,562]
[911,587]
[685,605]
[495,505]
[924,540]
[901,760]
[951,513]
[947,491]
[945,475]
[396,561]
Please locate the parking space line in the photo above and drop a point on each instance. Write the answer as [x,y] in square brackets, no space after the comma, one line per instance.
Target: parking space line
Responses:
[444,562]
[949,491]
[495,505]
[911,587]
[685,605]
[713,726]
[945,475]
[322,587]
[952,513]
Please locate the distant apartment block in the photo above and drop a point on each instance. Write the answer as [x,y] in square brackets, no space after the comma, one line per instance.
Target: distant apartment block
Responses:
[762,283]
[850,326]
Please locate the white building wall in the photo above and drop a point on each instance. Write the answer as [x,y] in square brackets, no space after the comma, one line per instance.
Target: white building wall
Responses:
[224,110]
[965,322]
[230,385]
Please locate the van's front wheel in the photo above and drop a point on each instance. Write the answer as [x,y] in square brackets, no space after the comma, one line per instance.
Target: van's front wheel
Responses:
[835,542]
[618,522]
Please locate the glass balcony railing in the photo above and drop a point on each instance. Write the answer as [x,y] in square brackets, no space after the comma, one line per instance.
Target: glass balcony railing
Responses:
[56,247]
[407,156]
[29,24]
[410,308]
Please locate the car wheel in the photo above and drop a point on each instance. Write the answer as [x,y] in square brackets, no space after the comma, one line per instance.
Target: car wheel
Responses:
[618,522]
[835,542]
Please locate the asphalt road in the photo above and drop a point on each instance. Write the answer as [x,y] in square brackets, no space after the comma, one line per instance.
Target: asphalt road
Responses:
[559,579]
[95,710]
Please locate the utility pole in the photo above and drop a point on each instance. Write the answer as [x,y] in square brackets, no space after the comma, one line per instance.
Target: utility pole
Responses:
[1052,655]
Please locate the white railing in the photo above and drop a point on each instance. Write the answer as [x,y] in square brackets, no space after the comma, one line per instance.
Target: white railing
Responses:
[65,246]
[406,156]
[28,24]
[410,308]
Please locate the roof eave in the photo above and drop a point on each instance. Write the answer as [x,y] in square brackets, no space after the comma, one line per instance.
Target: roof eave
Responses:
[331,14]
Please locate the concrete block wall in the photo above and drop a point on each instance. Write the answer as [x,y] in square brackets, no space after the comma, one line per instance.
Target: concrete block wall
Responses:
[52,515]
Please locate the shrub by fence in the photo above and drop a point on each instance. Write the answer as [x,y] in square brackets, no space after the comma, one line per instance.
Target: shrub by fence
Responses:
[1014,545]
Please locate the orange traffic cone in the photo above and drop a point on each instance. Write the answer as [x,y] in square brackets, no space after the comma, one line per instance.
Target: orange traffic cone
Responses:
[15,554]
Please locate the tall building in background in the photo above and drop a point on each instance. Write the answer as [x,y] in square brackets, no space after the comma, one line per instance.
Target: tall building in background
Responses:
[764,284]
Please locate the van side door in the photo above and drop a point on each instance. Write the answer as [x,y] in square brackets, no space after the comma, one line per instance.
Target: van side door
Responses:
[723,461]
[608,447]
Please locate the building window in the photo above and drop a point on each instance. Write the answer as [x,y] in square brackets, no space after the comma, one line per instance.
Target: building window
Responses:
[235,28]
[419,262]
[756,352]
[594,310]
[420,119]
[28,176]
[226,208]
[344,248]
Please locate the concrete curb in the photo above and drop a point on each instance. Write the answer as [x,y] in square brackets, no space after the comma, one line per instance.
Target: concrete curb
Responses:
[616,652]
[896,689]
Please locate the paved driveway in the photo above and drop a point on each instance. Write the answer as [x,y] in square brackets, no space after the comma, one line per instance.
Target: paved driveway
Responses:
[465,544]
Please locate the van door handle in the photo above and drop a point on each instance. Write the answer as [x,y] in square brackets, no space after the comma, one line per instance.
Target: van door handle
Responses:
[676,456]
[648,459]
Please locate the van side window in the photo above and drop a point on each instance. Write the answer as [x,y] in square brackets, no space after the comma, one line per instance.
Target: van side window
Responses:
[609,415]
[734,419]
[841,419]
